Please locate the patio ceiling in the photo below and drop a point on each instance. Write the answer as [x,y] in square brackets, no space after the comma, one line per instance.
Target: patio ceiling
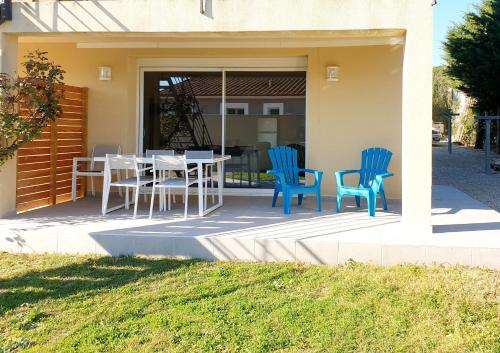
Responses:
[286,39]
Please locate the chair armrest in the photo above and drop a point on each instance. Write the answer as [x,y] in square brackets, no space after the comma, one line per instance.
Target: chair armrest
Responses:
[280,177]
[82,159]
[339,175]
[192,169]
[318,174]
[379,181]
[145,169]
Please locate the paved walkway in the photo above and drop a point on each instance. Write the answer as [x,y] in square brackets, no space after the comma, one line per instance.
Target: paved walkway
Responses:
[464,170]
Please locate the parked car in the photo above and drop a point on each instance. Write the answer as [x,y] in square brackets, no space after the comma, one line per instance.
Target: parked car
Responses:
[436,135]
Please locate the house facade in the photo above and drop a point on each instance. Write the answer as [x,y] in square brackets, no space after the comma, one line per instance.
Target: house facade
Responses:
[380,49]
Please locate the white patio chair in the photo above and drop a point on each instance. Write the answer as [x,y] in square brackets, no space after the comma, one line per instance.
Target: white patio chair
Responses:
[118,163]
[171,164]
[208,172]
[96,169]
[151,153]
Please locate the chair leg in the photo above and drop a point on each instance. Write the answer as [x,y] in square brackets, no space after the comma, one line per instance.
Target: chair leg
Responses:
[105,199]
[287,203]
[127,204]
[300,197]
[358,201]
[152,202]
[169,198]
[275,197]
[318,200]
[205,194]
[92,186]
[371,204]
[186,204]
[73,187]
[145,197]
[120,189]
[384,201]
[136,199]
[339,202]
[212,191]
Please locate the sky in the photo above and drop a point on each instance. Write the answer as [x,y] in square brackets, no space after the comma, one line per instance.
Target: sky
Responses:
[446,13]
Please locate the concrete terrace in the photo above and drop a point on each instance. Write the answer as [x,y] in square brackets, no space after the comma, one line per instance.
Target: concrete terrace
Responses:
[464,232]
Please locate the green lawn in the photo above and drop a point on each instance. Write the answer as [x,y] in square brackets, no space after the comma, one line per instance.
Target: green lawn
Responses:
[102,304]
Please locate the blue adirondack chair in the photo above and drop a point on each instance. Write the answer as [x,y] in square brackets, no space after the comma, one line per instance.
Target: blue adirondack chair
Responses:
[286,171]
[373,171]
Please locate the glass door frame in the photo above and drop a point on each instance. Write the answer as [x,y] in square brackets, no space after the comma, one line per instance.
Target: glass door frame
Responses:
[179,68]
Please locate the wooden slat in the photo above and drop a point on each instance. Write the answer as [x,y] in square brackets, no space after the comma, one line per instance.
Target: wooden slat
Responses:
[68,142]
[23,207]
[33,197]
[71,102]
[33,166]
[35,144]
[33,174]
[33,159]
[34,151]
[70,149]
[67,182]
[71,122]
[69,88]
[72,95]
[33,189]
[33,181]
[69,128]
[61,135]
[71,109]
[70,116]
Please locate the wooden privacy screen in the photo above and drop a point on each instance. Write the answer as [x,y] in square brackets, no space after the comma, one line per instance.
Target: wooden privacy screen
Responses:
[44,166]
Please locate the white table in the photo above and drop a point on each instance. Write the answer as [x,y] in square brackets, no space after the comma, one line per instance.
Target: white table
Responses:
[199,162]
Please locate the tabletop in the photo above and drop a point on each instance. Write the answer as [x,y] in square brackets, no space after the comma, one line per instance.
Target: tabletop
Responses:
[149,160]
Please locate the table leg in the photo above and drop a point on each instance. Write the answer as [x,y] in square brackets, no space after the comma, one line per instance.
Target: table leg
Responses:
[220,182]
[104,201]
[73,181]
[200,190]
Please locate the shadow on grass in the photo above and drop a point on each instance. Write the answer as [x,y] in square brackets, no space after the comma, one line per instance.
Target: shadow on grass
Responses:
[85,278]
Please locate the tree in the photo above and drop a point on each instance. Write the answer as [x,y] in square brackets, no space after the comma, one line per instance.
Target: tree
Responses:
[473,59]
[442,99]
[29,103]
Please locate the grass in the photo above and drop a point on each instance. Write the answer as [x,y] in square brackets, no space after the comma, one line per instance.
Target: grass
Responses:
[102,304]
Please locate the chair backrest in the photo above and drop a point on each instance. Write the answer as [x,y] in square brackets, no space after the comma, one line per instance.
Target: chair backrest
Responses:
[191,154]
[121,162]
[173,163]
[374,161]
[103,150]
[284,160]
[151,153]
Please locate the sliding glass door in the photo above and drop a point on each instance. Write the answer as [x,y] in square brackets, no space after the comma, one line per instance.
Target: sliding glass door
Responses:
[264,109]
[238,113]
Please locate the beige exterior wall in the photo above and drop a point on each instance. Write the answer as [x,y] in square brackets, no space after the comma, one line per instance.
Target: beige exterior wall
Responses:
[8,64]
[328,31]
[363,109]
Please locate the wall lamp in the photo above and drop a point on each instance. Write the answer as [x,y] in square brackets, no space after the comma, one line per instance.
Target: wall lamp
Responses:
[104,73]
[332,73]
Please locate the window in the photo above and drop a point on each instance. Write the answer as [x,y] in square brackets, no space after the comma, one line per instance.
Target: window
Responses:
[236,108]
[235,111]
[273,108]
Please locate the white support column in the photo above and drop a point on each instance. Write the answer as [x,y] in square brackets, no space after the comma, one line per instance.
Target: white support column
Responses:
[417,120]
[8,64]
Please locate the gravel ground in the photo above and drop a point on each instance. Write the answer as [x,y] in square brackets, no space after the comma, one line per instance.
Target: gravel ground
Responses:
[464,170]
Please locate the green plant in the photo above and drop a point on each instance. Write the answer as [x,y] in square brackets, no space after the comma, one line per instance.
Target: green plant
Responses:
[442,95]
[28,103]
